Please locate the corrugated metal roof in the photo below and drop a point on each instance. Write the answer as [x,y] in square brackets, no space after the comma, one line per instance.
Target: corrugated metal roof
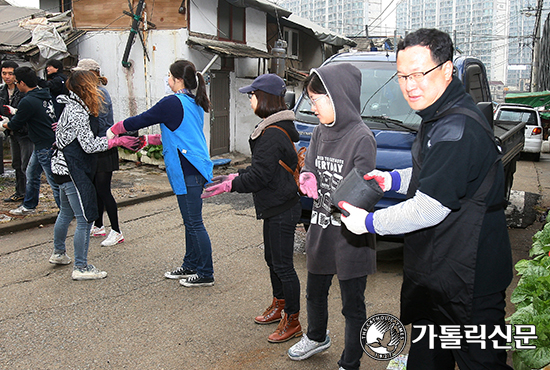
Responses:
[10,32]
[227,48]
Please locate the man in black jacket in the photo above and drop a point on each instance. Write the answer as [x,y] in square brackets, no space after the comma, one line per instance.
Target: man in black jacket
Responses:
[457,260]
[20,144]
[37,111]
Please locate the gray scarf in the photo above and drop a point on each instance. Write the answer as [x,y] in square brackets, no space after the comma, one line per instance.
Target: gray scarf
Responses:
[284,115]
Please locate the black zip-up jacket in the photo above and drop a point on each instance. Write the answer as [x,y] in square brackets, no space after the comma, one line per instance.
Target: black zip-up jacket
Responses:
[14,102]
[273,187]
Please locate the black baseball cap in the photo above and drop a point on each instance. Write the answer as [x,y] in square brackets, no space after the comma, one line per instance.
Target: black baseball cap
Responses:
[269,83]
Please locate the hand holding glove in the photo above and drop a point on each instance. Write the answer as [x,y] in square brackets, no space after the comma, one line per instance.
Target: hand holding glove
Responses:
[308,184]
[217,188]
[356,218]
[3,120]
[129,142]
[383,178]
[9,110]
[219,179]
[115,130]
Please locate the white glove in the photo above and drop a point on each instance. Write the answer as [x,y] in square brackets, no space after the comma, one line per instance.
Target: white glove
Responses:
[9,109]
[383,178]
[355,221]
[3,120]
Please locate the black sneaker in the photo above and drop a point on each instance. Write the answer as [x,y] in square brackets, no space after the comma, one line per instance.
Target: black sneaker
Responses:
[15,198]
[195,280]
[179,273]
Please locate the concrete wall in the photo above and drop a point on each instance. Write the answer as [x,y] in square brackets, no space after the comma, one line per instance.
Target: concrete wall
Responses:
[138,88]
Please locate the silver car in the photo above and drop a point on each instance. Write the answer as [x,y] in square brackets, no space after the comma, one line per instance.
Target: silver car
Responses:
[533,126]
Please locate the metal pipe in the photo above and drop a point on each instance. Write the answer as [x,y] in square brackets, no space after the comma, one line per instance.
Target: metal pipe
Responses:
[212,61]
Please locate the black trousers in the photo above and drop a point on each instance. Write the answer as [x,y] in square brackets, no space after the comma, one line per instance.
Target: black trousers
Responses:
[279,256]
[353,309]
[487,310]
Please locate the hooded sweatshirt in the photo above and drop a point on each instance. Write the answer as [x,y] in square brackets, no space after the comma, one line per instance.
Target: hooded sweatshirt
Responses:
[334,150]
[36,110]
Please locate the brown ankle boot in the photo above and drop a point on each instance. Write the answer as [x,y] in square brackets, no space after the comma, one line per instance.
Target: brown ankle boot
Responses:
[272,313]
[288,328]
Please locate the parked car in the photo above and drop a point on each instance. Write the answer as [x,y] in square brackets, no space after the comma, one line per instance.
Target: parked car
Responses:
[507,112]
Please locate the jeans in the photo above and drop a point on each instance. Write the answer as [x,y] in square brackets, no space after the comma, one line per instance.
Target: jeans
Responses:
[353,309]
[70,207]
[198,249]
[40,161]
[486,310]
[279,256]
[21,151]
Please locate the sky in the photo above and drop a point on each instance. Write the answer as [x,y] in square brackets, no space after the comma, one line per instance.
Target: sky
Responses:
[25,3]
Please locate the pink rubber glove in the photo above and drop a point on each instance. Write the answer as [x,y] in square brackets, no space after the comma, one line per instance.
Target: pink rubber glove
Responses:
[153,140]
[115,130]
[211,190]
[356,218]
[383,178]
[129,142]
[219,179]
[54,126]
[308,184]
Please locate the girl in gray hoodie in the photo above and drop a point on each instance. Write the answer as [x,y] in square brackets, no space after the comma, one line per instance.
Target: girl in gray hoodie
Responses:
[341,142]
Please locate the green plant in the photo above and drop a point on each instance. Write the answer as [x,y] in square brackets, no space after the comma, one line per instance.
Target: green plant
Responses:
[532,300]
[152,151]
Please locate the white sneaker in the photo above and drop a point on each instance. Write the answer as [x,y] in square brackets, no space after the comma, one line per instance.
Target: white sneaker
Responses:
[112,239]
[306,348]
[97,231]
[60,259]
[21,211]
[88,273]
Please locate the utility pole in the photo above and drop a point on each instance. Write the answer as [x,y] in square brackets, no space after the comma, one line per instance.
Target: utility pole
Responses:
[536,47]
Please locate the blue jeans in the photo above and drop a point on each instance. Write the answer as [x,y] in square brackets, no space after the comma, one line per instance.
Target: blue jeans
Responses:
[198,249]
[279,256]
[72,207]
[353,309]
[40,161]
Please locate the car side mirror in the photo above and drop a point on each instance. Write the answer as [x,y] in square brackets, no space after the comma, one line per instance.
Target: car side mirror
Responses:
[290,99]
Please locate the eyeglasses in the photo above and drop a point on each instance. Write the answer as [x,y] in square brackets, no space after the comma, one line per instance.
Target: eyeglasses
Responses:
[313,102]
[250,94]
[417,76]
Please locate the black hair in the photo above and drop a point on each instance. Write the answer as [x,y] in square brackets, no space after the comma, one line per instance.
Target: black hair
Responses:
[192,79]
[439,43]
[56,64]
[27,75]
[314,84]
[9,64]
[268,104]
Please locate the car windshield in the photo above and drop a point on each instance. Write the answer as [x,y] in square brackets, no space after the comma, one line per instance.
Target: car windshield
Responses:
[382,104]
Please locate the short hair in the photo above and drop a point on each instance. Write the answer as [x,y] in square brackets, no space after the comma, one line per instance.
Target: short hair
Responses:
[27,75]
[9,64]
[56,64]
[268,104]
[439,43]
[314,84]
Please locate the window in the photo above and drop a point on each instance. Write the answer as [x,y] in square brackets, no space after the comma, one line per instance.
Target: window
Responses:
[231,22]
[292,41]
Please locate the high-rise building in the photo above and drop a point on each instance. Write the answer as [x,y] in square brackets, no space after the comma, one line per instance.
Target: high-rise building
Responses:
[346,17]
[499,32]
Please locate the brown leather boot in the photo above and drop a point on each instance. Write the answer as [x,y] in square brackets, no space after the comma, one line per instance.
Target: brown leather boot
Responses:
[288,328]
[272,313]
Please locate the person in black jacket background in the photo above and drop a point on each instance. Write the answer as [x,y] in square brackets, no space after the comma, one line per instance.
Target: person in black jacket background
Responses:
[20,144]
[276,198]
[56,82]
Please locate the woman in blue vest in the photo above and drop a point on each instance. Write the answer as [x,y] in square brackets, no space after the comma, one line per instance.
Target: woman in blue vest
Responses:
[188,164]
